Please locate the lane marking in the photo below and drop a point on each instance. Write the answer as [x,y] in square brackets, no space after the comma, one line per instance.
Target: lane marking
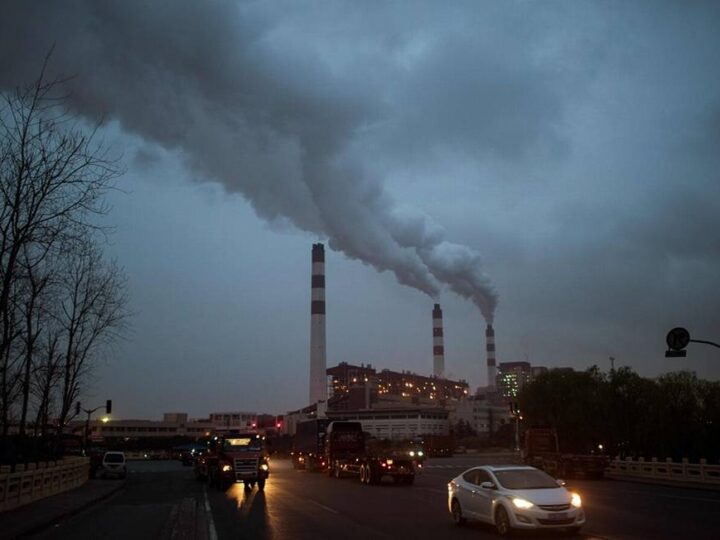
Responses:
[323,506]
[211,523]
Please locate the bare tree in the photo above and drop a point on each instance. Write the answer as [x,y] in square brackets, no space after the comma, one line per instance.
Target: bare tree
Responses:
[53,178]
[92,312]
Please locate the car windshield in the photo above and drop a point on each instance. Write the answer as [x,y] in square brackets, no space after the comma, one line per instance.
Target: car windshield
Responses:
[242,444]
[525,479]
[114,458]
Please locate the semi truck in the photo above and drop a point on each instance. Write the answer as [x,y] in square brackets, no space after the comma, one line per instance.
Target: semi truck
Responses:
[234,457]
[542,450]
[309,445]
[349,452]
[438,445]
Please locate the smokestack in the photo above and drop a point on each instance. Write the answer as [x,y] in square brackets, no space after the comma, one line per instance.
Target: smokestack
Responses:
[490,348]
[318,386]
[438,346]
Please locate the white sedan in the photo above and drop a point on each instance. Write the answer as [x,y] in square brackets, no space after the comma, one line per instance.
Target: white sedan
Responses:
[514,497]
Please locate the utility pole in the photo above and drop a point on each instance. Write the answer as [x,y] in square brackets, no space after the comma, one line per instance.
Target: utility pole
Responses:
[108,410]
[612,363]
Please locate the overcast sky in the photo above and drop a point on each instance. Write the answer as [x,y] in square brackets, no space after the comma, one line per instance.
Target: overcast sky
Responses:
[554,166]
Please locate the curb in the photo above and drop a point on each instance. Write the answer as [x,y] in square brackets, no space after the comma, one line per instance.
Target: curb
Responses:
[37,527]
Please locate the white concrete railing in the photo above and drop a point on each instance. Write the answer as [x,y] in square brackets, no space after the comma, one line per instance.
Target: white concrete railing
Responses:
[37,480]
[698,473]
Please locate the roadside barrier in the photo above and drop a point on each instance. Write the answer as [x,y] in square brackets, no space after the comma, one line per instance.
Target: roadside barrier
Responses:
[38,480]
[665,471]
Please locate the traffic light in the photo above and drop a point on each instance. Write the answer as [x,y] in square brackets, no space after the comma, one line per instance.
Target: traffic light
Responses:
[108,406]
[77,407]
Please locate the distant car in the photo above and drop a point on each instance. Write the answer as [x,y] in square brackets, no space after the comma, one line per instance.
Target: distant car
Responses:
[514,497]
[113,464]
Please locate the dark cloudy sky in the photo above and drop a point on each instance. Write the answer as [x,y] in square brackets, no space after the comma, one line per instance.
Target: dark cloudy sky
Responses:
[554,165]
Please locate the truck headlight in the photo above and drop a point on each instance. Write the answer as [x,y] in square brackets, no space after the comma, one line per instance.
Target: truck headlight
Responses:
[412,453]
[226,468]
[264,467]
[575,500]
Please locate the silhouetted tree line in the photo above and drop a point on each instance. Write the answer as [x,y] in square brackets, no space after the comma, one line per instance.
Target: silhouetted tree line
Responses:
[61,302]
[675,415]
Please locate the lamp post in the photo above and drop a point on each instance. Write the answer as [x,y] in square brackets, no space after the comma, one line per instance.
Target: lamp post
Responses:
[108,410]
[515,411]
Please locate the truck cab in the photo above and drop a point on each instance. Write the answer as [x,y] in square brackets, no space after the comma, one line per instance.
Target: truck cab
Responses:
[235,457]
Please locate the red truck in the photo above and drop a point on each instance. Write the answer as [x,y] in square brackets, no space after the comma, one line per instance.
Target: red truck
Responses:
[234,457]
[542,450]
[349,453]
[438,445]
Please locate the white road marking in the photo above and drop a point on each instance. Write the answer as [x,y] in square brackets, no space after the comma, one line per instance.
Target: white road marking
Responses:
[323,506]
[211,523]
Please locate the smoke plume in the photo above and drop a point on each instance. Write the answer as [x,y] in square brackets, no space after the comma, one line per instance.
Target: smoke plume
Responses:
[222,84]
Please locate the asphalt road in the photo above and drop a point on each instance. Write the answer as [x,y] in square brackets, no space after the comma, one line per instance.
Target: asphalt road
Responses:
[162,500]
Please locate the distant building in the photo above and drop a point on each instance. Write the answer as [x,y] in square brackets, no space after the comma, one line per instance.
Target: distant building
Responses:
[513,376]
[483,416]
[395,424]
[174,425]
[403,384]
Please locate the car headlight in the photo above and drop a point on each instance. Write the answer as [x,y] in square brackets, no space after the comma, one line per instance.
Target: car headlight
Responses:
[522,503]
[420,453]
[575,500]
[226,468]
[264,467]
[412,453]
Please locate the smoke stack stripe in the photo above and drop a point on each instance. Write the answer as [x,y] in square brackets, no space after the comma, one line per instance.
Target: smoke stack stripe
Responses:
[490,349]
[438,343]
[318,387]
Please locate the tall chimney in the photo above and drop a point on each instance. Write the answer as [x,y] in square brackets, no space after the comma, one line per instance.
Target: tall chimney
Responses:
[438,346]
[318,386]
[490,348]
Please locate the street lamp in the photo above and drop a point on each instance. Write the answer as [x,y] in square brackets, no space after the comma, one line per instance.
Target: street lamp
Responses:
[515,411]
[108,410]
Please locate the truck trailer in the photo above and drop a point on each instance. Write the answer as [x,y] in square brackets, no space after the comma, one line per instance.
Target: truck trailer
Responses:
[348,452]
[309,445]
[542,450]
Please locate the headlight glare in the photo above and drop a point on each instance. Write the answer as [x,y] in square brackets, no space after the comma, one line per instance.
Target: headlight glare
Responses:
[226,468]
[575,500]
[264,467]
[522,503]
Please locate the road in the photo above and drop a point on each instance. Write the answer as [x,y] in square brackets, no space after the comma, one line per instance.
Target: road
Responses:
[162,500]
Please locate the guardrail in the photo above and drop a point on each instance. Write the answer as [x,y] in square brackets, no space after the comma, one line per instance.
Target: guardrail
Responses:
[665,471]
[37,480]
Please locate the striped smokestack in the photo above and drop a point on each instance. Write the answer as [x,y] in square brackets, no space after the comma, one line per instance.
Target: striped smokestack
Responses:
[490,347]
[318,386]
[438,345]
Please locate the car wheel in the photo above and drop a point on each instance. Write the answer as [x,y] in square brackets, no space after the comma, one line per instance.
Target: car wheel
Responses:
[261,484]
[248,486]
[502,522]
[457,513]
[362,474]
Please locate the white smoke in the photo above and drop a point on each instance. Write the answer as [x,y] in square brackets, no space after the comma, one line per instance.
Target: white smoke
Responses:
[274,123]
